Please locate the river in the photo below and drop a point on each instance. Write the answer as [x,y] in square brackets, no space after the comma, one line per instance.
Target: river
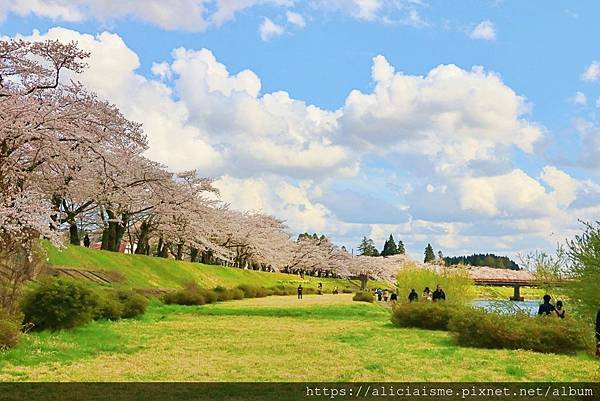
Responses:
[505,306]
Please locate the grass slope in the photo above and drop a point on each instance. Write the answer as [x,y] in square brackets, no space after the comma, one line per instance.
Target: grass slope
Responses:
[320,338]
[152,272]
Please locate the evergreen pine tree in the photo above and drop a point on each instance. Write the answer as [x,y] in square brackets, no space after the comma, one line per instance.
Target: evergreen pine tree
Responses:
[389,248]
[429,254]
[401,249]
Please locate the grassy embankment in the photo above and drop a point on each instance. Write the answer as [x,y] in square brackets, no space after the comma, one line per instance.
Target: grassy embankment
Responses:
[320,338]
[151,272]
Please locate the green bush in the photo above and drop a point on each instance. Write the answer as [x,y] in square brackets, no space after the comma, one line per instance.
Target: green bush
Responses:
[251,291]
[481,329]
[108,307]
[424,315]
[10,332]
[58,303]
[133,303]
[363,297]
[237,293]
[283,290]
[347,291]
[184,297]
[223,294]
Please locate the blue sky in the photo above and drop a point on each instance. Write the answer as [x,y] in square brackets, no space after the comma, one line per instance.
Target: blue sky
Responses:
[497,158]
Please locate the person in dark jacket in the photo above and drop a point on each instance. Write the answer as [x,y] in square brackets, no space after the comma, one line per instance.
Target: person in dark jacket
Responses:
[300,291]
[413,296]
[86,241]
[546,308]
[438,294]
[393,297]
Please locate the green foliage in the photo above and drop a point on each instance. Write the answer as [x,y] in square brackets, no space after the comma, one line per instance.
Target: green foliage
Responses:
[583,289]
[389,248]
[10,332]
[401,249]
[108,307]
[251,291]
[480,259]
[133,303]
[477,328]
[58,303]
[347,291]
[283,290]
[456,282]
[367,247]
[429,255]
[363,296]
[424,315]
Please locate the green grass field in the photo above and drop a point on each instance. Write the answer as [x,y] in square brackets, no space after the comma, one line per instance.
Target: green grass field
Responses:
[320,338]
[151,272]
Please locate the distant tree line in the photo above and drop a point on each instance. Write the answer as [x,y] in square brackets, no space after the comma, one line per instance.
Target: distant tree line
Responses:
[480,259]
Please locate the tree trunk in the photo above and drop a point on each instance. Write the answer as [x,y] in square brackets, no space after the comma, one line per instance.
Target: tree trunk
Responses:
[143,239]
[179,255]
[193,254]
[74,238]
[113,232]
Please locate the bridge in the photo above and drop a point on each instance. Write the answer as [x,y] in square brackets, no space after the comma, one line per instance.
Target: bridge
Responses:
[503,278]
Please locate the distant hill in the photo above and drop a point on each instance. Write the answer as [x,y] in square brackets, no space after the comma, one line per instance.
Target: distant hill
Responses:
[480,259]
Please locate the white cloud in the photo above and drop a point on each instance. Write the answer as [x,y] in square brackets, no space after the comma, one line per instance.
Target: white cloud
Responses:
[269,30]
[579,98]
[485,30]
[295,19]
[592,72]
[450,116]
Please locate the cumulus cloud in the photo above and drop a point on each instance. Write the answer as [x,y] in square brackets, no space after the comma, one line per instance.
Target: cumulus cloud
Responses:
[592,72]
[269,30]
[295,19]
[450,116]
[485,30]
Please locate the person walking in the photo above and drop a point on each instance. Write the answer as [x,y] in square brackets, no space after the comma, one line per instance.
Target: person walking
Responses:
[385,295]
[413,296]
[598,334]
[86,241]
[300,291]
[427,294]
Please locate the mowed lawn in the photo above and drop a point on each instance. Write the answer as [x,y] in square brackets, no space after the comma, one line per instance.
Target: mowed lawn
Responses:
[319,338]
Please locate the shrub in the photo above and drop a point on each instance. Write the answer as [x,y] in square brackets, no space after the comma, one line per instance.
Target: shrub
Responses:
[363,297]
[478,328]
[108,307]
[251,291]
[237,293]
[223,294]
[347,291]
[58,303]
[10,332]
[133,304]
[424,315]
[184,297]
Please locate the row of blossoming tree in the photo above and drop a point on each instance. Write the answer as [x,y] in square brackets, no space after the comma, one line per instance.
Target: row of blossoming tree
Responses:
[70,160]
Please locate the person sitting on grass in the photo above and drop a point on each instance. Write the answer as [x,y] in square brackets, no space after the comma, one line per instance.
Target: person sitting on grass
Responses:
[300,291]
[546,308]
[427,294]
[413,296]
[438,294]
[560,310]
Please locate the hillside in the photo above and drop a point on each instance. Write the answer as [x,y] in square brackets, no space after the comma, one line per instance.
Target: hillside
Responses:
[151,272]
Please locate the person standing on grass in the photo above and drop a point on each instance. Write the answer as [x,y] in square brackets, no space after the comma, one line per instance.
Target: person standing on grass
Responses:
[413,296]
[393,297]
[427,294]
[86,241]
[300,291]
[438,294]
[385,295]
[546,308]
[379,294]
